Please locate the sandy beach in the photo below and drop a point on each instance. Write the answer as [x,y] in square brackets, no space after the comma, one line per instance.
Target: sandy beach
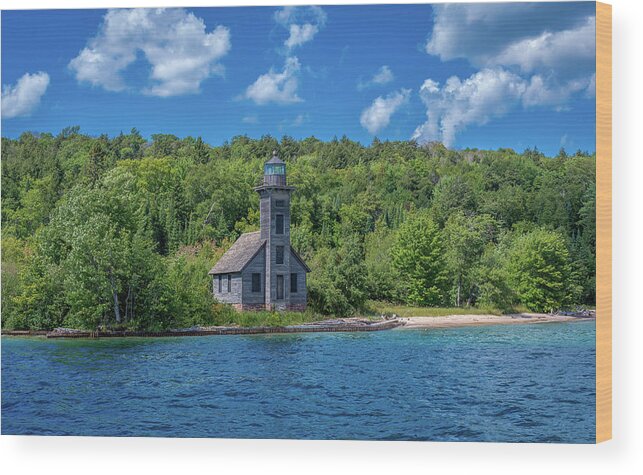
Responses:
[412,323]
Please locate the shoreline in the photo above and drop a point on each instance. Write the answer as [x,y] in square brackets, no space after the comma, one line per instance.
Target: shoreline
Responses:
[327,326]
[456,321]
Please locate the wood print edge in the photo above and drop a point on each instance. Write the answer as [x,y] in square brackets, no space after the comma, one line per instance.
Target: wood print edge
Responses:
[603,222]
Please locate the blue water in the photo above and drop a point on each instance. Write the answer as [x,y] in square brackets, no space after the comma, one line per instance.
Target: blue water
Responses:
[519,383]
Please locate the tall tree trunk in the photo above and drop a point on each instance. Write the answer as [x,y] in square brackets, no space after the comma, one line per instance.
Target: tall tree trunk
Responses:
[459,287]
[127,302]
[117,310]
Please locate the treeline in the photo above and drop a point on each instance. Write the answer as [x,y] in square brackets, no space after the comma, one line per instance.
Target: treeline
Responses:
[100,231]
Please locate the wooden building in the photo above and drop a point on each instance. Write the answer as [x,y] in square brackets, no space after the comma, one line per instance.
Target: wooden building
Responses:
[261,270]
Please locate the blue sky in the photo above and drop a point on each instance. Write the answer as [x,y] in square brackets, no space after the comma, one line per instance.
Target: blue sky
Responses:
[469,75]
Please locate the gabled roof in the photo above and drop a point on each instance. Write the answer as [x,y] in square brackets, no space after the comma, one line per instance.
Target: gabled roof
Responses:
[241,252]
[298,257]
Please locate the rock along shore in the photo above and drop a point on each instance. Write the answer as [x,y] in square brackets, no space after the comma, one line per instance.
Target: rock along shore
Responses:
[336,325]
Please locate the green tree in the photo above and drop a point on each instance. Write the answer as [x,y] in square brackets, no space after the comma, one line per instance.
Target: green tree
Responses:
[201,152]
[358,217]
[466,238]
[337,285]
[120,225]
[383,279]
[97,163]
[492,278]
[584,247]
[13,264]
[418,256]
[540,271]
[453,192]
[40,304]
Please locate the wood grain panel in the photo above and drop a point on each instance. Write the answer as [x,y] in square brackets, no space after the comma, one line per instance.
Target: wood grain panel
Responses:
[603,222]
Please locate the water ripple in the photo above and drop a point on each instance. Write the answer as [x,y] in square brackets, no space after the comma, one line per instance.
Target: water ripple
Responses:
[529,383]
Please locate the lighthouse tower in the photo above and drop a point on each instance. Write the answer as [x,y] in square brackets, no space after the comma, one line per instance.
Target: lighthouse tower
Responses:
[274,209]
[261,270]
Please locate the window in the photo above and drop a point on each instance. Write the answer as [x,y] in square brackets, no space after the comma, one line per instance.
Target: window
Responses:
[229,282]
[279,255]
[280,224]
[280,203]
[280,287]
[274,169]
[293,283]
[256,282]
[220,283]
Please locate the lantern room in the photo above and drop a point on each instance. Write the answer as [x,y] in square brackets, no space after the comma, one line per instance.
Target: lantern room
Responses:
[274,171]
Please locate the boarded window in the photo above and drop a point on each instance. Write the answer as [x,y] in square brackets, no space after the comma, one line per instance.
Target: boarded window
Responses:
[220,283]
[256,282]
[280,203]
[279,255]
[280,287]
[293,283]
[229,282]
[280,224]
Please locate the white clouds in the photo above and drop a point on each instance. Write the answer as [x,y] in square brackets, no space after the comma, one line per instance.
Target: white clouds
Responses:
[556,39]
[278,87]
[383,76]
[480,32]
[543,92]
[530,55]
[485,95]
[300,34]
[24,97]
[303,23]
[173,41]
[377,116]
[564,53]
[476,100]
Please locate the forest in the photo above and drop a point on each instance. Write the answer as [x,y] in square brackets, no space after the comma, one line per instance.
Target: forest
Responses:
[105,232]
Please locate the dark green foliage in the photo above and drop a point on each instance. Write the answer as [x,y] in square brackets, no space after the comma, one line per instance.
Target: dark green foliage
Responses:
[540,270]
[383,280]
[338,286]
[466,238]
[86,219]
[191,286]
[419,258]
[491,277]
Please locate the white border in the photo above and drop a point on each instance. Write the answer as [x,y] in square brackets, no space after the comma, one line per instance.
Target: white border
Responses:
[116,456]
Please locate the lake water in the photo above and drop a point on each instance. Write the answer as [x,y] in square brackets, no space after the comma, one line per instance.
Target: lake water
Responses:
[514,383]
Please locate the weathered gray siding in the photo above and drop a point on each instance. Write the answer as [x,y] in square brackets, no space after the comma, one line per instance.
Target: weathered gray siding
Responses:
[300,297]
[256,265]
[268,222]
[256,253]
[234,296]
